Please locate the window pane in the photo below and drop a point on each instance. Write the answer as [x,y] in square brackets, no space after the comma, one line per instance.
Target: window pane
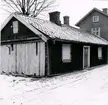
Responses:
[66,52]
[100,53]
[95,18]
[15,26]
[95,31]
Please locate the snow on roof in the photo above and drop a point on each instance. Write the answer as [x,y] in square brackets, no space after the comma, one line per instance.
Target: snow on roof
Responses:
[62,32]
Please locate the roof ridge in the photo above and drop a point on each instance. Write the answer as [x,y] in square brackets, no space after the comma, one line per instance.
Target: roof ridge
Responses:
[29,16]
[101,11]
[96,9]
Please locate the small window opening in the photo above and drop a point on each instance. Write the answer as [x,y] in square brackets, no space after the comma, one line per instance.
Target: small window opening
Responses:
[95,18]
[100,53]
[66,53]
[15,27]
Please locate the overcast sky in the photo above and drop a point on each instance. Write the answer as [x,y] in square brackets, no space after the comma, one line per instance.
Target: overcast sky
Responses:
[76,9]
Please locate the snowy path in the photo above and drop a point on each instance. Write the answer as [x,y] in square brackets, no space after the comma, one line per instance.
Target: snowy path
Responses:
[89,87]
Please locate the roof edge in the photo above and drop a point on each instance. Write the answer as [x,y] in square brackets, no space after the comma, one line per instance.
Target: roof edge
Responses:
[25,23]
[96,9]
[6,21]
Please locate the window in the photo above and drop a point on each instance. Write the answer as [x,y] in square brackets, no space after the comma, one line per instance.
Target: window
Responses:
[15,27]
[95,31]
[66,53]
[100,53]
[95,18]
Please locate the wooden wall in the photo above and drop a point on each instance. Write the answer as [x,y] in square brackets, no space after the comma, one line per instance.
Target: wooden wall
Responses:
[58,66]
[94,55]
[23,59]
[56,63]
[23,32]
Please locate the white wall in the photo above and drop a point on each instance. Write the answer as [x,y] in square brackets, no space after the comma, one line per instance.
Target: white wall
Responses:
[23,59]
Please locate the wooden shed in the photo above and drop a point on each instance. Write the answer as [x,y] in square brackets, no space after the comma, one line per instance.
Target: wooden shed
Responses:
[32,46]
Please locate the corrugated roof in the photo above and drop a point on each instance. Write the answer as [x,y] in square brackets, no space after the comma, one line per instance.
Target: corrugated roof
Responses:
[62,32]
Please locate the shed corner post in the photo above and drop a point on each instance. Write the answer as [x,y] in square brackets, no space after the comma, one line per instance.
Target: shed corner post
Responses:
[47,59]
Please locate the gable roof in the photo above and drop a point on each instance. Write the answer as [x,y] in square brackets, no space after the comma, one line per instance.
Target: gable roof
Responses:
[56,32]
[15,15]
[94,9]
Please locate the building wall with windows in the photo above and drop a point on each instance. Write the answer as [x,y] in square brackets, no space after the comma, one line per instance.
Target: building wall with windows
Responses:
[27,52]
[96,23]
[68,57]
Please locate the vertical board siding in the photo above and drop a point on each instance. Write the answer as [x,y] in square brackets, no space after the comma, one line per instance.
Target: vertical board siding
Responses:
[23,59]
[42,58]
[11,61]
[4,59]
[7,60]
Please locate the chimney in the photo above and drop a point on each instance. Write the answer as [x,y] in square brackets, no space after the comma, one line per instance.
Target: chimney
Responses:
[66,20]
[55,17]
[105,10]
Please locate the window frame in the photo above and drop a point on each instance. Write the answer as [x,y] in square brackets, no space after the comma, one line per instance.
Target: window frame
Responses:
[95,19]
[95,31]
[66,60]
[15,27]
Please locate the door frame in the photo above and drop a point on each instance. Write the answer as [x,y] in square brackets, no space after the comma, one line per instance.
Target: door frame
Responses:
[88,55]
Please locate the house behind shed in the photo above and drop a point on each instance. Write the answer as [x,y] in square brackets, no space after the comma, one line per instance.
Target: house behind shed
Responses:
[32,46]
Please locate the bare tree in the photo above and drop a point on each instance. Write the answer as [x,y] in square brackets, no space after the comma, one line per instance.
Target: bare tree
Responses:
[29,7]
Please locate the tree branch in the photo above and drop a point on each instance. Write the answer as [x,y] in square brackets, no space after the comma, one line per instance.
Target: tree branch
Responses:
[30,7]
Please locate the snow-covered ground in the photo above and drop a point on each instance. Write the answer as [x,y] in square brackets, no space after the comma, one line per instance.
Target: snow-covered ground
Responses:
[87,87]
